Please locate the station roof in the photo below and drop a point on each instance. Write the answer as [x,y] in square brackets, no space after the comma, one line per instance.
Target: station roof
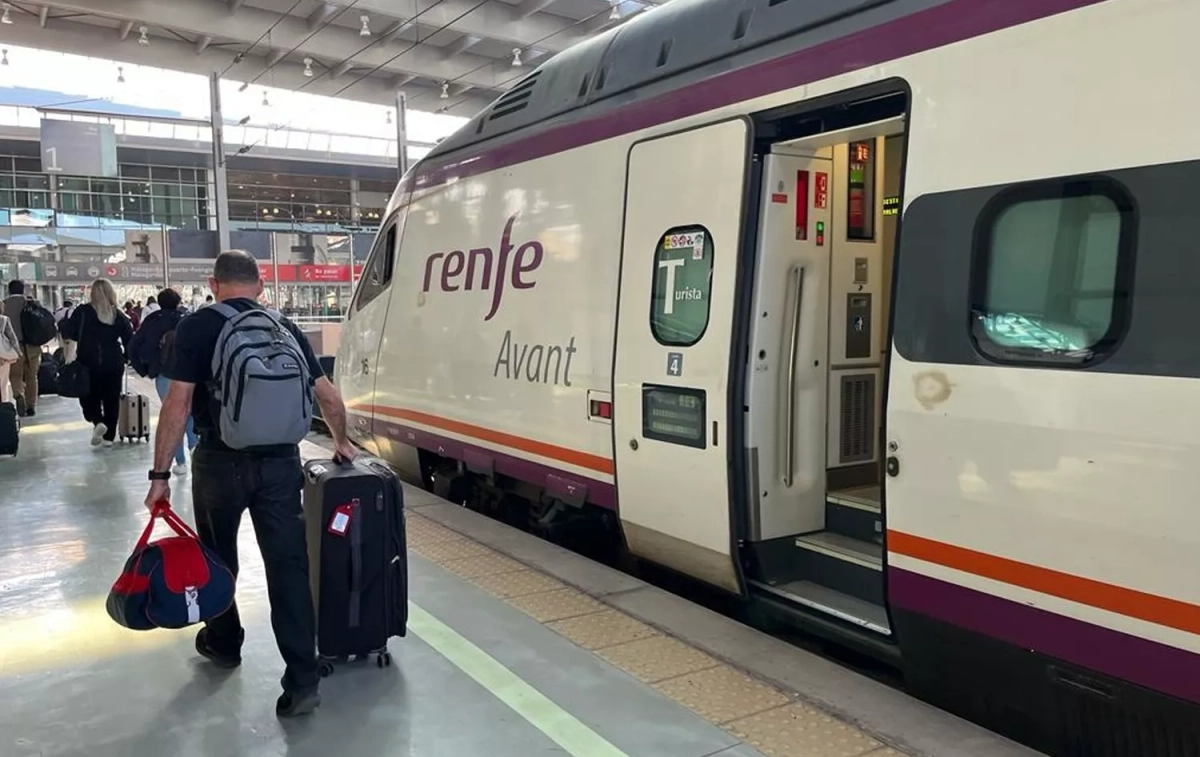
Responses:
[451,56]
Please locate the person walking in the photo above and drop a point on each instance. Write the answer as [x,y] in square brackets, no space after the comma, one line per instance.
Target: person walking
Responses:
[151,349]
[23,374]
[264,479]
[151,308]
[101,333]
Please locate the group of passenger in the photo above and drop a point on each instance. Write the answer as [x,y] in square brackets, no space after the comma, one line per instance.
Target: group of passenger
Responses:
[104,338]
[177,349]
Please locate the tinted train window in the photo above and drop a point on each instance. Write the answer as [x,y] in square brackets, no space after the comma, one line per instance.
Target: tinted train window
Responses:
[377,273]
[679,301]
[1052,272]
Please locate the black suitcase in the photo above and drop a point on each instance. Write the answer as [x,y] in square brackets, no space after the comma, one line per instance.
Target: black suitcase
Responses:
[48,374]
[10,429]
[358,558]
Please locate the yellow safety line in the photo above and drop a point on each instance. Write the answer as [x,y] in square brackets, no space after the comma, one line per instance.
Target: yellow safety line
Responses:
[560,726]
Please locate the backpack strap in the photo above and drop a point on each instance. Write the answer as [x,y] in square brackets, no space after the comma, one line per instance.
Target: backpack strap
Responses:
[226,310]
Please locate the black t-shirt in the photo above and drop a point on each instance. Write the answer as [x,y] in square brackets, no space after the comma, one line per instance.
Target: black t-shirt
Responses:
[195,341]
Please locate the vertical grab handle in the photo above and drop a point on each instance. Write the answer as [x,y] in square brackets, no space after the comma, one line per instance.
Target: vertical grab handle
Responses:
[796,274]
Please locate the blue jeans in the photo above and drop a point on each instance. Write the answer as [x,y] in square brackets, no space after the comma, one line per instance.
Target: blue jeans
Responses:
[162,384]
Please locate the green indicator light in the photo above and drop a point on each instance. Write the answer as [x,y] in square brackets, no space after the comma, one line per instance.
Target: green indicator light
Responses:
[820,226]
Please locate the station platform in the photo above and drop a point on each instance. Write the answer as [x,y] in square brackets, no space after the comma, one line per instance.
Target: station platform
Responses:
[516,647]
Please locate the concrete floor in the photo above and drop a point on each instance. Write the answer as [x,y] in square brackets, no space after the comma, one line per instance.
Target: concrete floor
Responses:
[475,675]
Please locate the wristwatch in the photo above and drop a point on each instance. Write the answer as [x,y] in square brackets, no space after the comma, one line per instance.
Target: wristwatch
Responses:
[159,475]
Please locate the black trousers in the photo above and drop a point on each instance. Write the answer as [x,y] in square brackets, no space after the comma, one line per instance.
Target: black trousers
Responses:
[102,404]
[226,484]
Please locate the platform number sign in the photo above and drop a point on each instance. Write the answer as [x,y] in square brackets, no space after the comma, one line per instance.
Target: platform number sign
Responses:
[682,283]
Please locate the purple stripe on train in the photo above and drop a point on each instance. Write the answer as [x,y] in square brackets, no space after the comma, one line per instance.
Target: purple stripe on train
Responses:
[569,487]
[943,25]
[1148,663]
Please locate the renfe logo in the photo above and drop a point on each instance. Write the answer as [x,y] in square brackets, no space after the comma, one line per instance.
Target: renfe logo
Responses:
[478,265]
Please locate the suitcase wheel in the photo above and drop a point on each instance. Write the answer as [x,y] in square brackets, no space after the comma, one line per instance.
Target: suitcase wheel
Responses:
[384,659]
[324,668]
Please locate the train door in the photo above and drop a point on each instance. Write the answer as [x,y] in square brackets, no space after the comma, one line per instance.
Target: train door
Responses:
[357,363]
[814,385]
[683,211]
[786,387]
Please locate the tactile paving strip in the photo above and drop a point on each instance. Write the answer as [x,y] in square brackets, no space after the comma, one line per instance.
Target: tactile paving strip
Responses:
[754,711]
[517,584]
[722,694]
[606,628]
[657,658]
[445,550]
[798,730]
[556,605]
[482,565]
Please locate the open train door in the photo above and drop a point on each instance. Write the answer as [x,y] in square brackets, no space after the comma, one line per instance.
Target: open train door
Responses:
[683,212]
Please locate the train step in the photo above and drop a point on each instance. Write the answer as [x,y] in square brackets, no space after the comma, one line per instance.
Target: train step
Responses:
[847,565]
[855,513]
[852,610]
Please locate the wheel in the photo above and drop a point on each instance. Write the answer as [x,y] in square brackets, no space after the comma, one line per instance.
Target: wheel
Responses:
[324,668]
[384,659]
[379,661]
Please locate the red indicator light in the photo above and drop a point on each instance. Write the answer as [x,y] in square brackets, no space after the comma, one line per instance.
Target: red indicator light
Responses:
[802,205]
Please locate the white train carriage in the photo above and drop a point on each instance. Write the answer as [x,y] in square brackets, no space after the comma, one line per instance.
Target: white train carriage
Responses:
[878,313]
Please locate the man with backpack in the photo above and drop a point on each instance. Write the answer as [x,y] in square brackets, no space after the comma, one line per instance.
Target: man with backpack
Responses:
[249,378]
[35,327]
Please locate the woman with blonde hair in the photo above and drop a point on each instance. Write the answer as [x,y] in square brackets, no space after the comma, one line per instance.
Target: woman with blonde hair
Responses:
[101,333]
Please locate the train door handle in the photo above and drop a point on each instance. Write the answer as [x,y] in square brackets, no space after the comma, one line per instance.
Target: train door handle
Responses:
[893,466]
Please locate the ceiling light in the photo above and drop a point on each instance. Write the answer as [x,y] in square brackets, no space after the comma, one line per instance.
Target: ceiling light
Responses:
[266,212]
[266,102]
[445,90]
[308,67]
[120,75]
[6,18]
[366,26]
[516,57]
[143,32]
[3,57]
[616,12]
[242,88]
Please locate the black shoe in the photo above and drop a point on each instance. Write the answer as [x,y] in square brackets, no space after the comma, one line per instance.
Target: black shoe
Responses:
[30,413]
[220,660]
[291,704]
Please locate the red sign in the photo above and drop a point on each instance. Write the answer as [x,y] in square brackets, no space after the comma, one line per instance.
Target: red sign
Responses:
[324,273]
[266,271]
[821,193]
[358,269]
[110,271]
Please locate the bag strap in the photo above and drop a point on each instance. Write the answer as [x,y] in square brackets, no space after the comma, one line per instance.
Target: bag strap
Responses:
[356,541]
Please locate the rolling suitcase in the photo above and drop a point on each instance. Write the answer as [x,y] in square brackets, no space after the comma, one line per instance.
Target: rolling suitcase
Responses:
[358,558]
[10,429]
[48,373]
[133,424]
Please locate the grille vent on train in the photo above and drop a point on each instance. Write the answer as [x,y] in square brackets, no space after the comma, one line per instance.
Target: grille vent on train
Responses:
[515,99]
[857,420]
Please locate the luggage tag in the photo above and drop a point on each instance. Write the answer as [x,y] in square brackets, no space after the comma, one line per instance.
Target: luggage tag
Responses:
[339,524]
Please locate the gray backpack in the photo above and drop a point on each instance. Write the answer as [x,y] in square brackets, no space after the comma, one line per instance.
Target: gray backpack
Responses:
[261,387]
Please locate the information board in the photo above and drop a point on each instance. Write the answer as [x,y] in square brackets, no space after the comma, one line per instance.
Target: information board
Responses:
[78,148]
[673,414]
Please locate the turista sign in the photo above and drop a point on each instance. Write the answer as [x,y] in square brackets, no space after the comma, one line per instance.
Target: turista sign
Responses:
[513,265]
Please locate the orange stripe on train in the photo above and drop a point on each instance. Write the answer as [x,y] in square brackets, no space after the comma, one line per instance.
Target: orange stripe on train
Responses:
[532,446]
[1164,611]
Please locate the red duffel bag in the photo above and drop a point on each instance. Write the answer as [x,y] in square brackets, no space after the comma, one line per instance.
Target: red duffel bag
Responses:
[170,583]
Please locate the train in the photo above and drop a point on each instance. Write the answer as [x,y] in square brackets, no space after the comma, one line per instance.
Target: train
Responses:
[873,314]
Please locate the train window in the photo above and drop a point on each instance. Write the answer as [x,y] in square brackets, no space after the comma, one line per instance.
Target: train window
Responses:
[1052,272]
[679,301]
[377,273]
